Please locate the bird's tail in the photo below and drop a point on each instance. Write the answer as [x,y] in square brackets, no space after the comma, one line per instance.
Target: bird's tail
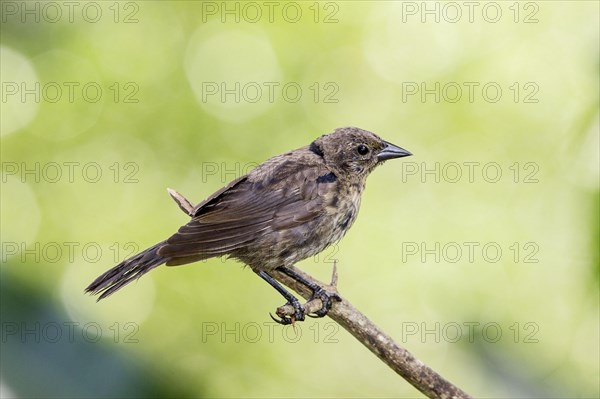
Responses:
[127,271]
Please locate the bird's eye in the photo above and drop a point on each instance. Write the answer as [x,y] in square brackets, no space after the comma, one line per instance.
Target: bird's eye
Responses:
[362,149]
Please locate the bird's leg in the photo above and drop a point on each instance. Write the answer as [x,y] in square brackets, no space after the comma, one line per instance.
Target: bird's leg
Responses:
[292,300]
[318,291]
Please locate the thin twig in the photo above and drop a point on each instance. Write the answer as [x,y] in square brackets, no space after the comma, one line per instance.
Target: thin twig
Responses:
[181,201]
[417,373]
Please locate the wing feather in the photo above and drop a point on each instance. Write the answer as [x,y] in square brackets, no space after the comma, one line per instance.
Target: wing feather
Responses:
[255,204]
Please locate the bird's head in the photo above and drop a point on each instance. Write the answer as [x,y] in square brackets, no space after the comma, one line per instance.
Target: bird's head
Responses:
[351,151]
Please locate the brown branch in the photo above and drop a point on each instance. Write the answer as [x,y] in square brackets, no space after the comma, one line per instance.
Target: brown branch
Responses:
[382,345]
[417,373]
[181,201]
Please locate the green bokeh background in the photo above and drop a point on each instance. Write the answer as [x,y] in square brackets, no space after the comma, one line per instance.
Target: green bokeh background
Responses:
[203,330]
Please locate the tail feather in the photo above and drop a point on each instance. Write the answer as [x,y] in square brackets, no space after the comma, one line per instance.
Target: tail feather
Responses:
[127,271]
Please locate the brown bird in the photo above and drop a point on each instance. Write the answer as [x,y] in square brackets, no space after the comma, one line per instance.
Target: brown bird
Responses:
[289,208]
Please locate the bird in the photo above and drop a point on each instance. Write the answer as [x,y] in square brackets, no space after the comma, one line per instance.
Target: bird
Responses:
[289,208]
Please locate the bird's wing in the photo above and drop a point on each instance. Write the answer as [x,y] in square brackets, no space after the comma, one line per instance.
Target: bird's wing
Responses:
[286,195]
[215,197]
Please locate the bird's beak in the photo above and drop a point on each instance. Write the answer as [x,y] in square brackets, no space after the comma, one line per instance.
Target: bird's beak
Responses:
[391,151]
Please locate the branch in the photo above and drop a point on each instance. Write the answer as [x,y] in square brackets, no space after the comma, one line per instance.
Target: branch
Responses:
[417,373]
[382,345]
[185,205]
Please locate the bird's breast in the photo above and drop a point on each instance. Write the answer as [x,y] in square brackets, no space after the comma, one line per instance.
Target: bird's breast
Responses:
[345,211]
[287,245]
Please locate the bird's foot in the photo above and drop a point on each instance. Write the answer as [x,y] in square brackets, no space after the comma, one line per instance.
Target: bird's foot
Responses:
[286,319]
[326,298]
[318,305]
[320,302]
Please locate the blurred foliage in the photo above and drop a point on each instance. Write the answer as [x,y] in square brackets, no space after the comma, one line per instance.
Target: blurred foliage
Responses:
[142,118]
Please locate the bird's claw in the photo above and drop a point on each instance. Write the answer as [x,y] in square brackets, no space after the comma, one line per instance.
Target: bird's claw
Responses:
[327,299]
[297,316]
